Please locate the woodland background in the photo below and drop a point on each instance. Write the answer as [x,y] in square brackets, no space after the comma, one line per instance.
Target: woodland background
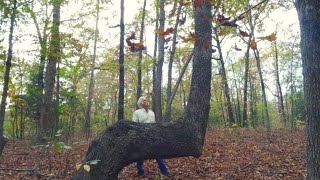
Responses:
[66,76]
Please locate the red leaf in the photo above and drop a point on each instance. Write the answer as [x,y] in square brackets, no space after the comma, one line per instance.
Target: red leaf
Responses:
[236,48]
[169,31]
[221,18]
[206,43]
[172,12]
[243,33]
[198,3]
[253,44]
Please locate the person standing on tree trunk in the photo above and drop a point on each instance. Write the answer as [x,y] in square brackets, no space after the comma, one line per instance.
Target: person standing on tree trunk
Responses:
[145,115]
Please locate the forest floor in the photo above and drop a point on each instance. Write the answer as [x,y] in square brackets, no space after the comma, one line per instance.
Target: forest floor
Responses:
[228,155]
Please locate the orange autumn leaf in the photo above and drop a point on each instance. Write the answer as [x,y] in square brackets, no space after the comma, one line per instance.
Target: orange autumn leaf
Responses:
[191,37]
[172,12]
[211,2]
[169,31]
[221,33]
[271,37]
[253,44]
[184,3]
[160,32]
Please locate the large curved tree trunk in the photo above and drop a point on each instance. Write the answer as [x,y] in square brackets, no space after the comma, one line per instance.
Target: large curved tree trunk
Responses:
[126,142]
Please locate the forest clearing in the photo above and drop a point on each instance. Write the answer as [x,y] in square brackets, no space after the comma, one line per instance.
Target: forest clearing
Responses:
[229,154]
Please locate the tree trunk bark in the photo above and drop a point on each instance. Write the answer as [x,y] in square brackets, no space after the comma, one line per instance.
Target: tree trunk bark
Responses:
[127,142]
[263,89]
[309,13]
[224,82]
[3,104]
[139,85]
[280,96]
[172,53]
[46,116]
[159,64]
[121,65]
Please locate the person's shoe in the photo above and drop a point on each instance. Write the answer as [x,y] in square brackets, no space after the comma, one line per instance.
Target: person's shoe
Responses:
[140,173]
[167,174]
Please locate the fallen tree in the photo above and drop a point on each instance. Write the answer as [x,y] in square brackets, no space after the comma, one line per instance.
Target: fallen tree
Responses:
[126,142]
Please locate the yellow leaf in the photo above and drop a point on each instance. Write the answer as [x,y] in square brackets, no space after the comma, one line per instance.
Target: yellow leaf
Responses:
[234,125]
[271,37]
[160,32]
[78,166]
[221,33]
[86,167]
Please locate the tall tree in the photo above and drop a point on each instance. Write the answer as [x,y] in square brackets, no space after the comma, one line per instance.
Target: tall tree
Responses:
[309,13]
[224,79]
[139,85]
[278,84]
[127,141]
[87,123]
[13,13]
[172,54]
[121,64]
[159,64]
[46,116]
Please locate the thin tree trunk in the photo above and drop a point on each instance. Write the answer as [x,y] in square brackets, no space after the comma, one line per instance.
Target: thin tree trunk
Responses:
[155,60]
[238,110]
[245,86]
[224,81]
[172,53]
[175,89]
[121,64]
[3,140]
[159,65]
[43,38]
[280,96]
[264,96]
[139,85]
[87,124]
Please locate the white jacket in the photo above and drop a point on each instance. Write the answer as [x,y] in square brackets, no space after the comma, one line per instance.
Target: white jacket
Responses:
[143,116]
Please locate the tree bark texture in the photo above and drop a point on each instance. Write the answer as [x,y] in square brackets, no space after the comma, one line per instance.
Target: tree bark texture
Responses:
[172,53]
[121,64]
[46,116]
[139,75]
[3,104]
[159,65]
[224,82]
[309,13]
[126,142]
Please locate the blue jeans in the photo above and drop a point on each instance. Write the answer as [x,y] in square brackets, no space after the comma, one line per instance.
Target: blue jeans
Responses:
[161,165]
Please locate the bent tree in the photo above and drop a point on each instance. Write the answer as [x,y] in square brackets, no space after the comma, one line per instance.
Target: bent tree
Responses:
[126,142]
[309,13]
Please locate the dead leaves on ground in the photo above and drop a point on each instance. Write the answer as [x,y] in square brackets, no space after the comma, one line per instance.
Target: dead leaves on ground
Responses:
[240,154]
